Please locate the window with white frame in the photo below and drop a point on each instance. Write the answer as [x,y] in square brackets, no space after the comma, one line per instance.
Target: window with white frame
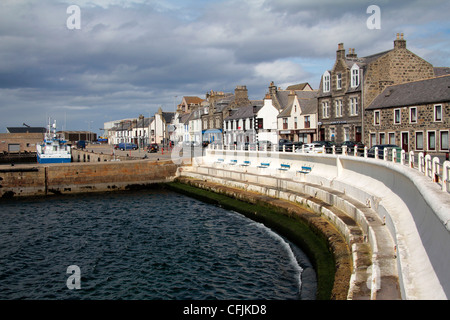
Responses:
[438,112]
[339,81]
[444,140]
[413,115]
[326,82]
[431,140]
[325,109]
[338,106]
[354,76]
[397,116]
[354,106]
[376,117]
[419,140]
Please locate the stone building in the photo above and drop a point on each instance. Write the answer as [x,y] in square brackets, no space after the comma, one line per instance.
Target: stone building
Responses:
[220,104]
[354,82]
[413,115]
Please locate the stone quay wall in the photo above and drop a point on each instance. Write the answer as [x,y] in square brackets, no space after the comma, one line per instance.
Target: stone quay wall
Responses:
[41,180]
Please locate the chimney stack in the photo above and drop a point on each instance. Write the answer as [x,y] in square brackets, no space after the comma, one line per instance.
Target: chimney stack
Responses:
[399,43]
[340,53]
[351,54]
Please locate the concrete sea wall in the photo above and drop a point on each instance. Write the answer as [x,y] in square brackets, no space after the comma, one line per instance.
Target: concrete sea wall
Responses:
[407,224]
[39,180]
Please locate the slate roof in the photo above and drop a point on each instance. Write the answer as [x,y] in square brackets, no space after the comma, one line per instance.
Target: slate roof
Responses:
[441,71]
[168,116]
[307,100]
[247,111]
[421,92]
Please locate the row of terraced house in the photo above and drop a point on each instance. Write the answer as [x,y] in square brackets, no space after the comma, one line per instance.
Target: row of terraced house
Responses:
[391,97]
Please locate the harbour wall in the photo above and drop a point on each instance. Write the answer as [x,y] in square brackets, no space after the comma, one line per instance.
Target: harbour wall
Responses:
[409,210]
[41,180]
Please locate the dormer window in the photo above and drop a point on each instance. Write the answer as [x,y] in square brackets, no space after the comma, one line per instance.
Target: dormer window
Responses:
[355,76]
[326,82]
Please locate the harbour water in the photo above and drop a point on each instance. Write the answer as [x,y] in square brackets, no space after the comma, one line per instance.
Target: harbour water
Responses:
[153,244]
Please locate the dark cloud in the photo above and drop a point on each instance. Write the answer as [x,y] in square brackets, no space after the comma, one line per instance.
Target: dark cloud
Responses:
[132,56]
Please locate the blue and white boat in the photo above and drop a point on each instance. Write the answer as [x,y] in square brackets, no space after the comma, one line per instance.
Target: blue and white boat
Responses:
[54,149]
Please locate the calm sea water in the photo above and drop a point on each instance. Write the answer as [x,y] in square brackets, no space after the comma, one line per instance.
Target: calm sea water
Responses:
[144,245]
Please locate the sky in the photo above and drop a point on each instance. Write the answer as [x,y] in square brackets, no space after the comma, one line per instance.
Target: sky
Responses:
[116,59]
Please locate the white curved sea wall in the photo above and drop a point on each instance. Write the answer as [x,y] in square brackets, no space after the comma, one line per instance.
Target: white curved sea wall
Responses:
[416,209]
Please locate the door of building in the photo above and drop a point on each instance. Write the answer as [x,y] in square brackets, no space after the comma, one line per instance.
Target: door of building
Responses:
[405,141]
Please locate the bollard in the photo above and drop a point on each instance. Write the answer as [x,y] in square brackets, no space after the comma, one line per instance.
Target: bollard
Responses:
[434,170]
[411,159]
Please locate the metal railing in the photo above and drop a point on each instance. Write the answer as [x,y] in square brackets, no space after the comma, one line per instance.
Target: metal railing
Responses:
[429,166]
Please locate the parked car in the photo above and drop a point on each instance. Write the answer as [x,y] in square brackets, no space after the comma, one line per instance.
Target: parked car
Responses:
[328,146]
[287,144]
[381,147]
[297,145]
[311,148]
[126,146]
[351,146]
[153,147]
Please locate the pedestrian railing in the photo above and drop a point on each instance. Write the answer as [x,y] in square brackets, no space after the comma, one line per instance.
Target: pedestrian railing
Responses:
[427,165]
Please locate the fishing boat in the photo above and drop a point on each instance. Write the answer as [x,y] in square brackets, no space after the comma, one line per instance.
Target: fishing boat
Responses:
[54,149]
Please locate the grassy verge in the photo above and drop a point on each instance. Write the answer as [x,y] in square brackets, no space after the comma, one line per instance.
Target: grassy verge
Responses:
[278,219]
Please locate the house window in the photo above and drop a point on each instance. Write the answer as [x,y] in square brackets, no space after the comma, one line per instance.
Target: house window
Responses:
[332,134]
[376,117]
[438,112]
[346,134]
[338,105]
[397,116]
[353,106]
[285,123]
[355,76]
[307,122]
[413,115]
[391,138]
[444,141]
[295,122]
[382,138]
[339,81]
[373,139]
[326,82]
[325,109]
[431,140]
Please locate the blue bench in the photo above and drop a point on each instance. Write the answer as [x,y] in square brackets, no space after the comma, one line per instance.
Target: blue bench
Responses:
[245,163]
[233,162]
[305,170]
[264,165]
[284,167]
[219,161]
